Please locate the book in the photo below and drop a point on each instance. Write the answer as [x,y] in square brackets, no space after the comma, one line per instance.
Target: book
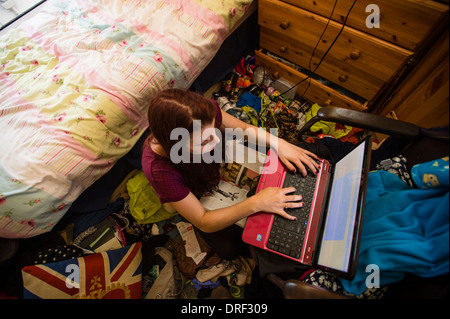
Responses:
[237,178]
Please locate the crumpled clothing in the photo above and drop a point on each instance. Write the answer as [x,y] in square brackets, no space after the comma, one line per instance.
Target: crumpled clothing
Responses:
[251,105]
[250,100]
[145,205]
[286,124]
[396,165]
[238,272]
[129,229]
[336,130]
[207,284]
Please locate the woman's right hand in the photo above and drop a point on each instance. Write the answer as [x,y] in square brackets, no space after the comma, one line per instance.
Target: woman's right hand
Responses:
[276,200]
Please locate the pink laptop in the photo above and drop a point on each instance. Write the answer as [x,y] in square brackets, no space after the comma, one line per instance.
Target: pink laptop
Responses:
[327,231]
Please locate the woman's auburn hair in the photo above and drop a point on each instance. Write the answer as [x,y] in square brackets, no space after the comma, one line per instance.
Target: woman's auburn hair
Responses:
[178,108]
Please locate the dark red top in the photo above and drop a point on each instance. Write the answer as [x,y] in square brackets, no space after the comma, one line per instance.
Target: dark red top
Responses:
[163,175]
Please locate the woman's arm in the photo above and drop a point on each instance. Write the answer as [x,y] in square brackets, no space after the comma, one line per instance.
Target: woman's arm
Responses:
[271,200]
[288,153]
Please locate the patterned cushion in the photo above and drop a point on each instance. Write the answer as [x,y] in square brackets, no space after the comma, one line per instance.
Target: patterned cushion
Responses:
[114,274]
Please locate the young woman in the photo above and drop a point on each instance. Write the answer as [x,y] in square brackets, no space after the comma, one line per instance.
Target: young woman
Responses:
[179,185]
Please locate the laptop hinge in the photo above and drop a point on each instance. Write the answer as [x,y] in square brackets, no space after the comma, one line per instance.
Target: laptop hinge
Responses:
[313,256]
[329,168]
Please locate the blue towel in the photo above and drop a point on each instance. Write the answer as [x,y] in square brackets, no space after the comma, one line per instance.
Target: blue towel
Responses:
[405,229]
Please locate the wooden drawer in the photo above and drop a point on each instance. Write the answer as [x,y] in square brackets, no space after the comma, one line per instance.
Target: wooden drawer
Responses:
[422,98]
[376,58]
[402,22]
[359,82]
[316,92]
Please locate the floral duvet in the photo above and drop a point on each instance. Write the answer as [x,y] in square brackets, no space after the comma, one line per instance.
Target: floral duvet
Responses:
[75,81]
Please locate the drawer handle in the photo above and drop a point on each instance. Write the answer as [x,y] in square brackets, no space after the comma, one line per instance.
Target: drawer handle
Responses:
[283,49]
[284,25]
[343,77]
[355,55]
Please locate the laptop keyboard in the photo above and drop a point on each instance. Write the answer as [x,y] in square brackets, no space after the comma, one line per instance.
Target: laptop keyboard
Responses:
[287,236]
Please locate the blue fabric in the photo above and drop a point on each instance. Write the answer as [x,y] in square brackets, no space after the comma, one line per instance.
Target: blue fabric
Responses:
[251,100]
[83,221]
[207,284]
[431,174]
[405,230]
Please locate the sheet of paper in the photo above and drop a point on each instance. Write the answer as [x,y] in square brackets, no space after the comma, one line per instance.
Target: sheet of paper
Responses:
[191,243]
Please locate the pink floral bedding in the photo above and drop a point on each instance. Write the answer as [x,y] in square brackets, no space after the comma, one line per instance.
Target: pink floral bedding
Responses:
[75,81]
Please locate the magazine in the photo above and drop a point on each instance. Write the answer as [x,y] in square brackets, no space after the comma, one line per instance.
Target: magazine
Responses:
[236,180]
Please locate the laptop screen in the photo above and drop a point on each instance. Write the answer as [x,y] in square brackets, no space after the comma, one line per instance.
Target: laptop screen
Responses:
[336,243]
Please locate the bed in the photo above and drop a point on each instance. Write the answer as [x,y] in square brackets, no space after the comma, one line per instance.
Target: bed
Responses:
[75,81]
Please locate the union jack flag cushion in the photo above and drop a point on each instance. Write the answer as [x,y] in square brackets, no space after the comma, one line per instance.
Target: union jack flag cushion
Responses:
[114,274]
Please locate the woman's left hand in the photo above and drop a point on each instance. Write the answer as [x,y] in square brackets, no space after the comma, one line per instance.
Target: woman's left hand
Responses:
[293,156]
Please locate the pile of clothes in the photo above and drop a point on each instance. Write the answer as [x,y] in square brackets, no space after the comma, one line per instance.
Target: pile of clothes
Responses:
[167,266]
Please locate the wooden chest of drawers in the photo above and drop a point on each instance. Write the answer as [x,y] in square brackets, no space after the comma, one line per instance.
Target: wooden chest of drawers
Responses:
[361,63]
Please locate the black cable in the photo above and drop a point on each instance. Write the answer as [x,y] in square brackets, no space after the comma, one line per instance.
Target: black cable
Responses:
[314,50]
[320,38]
[326,52]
